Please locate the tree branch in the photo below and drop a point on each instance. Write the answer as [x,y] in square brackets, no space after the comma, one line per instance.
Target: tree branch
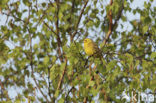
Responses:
[79,19]
[49,83]
[2,90]
[110,26]
[61,79]
[59,43]
[91,79]
[118,16]
[49,27]
[32,69]
[68,93]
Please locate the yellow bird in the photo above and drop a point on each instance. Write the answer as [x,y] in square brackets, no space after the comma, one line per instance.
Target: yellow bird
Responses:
[91,48]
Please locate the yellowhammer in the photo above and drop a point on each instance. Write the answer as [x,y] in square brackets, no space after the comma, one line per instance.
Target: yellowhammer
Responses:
[91,48]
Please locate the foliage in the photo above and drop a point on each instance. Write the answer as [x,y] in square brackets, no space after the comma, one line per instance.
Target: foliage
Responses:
[42,56]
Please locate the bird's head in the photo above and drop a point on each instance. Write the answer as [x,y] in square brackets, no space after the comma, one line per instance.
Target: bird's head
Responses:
[87,40]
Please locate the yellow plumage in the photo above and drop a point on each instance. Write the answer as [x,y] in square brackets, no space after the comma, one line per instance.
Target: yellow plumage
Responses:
[91,48]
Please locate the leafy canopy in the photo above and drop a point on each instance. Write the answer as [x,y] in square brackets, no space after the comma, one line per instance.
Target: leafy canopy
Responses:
[42,56]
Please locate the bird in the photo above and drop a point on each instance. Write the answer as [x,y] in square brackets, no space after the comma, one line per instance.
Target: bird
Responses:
[91,48]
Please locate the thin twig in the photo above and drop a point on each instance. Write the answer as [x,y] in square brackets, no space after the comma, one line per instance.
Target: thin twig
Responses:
[92,78]
[62,77]
[37,5]
[40,89]
[49,27]
[68,93]
[2,90]
[49,82]
[118,16]
[32,69]
[59,43]
[110,26]
[78,22]
[51,3]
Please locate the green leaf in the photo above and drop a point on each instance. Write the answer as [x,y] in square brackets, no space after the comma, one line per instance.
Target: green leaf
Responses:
[129,58]
[46,60]
[94,91]
[56,93]
[87,9]
[61,100]
[145,28]
[124,18]
[35,46]
[44,4]
[153,55]
[53,10]
[60,15]
[56,30]
[91,83]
